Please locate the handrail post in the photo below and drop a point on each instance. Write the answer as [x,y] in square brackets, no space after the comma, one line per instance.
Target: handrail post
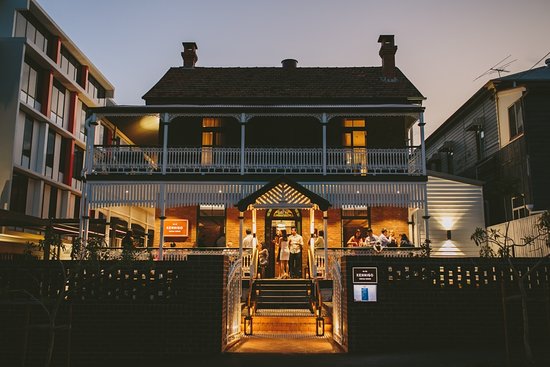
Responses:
[165,121]
[324,121]
[242,120]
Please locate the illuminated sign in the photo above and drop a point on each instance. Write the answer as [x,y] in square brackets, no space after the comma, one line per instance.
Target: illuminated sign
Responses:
[365,275]
[365,281]
[176,228]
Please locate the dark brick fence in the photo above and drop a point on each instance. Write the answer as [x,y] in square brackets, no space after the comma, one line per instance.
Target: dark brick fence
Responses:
[440,303]
[116,311]
[144,311]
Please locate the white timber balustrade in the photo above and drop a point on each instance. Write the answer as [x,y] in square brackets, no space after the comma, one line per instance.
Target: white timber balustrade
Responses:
[141,159]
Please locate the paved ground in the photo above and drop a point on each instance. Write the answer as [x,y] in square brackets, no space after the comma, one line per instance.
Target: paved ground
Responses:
[309,351]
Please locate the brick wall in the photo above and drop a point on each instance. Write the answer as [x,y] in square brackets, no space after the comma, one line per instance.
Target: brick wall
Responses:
[390,218]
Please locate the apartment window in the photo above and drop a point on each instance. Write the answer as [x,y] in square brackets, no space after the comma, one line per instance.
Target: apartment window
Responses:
[63,153]
[211,224]
[50,153]
[78,163]
[69,65]
[95,90]
[25,28]
[519,210]
[49,204]
[515,119]
[27,142]
[76,212]
[81,120]
[211,137]
[18,198]
[58,103]
[30,86]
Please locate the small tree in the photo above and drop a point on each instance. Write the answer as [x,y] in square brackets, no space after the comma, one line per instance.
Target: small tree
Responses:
[490,239]
[51,245]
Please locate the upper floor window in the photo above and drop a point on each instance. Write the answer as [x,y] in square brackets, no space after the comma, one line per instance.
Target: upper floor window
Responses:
[69,65]
[58,103]
[81,114]
[95,90]
[354,135]
[50,153]
[30,86]
[25,28]
[27,142]
[515,119]
[78,164]
[211,137]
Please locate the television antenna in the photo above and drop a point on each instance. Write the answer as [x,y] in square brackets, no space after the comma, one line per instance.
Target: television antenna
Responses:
[499,67]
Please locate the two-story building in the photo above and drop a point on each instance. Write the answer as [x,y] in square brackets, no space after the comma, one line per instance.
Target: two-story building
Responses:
[218,150]
[498,136]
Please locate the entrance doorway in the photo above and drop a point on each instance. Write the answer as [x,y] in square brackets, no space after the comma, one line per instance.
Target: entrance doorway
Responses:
[279,219]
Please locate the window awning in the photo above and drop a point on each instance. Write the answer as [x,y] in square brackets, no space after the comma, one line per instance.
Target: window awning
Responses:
[283,193]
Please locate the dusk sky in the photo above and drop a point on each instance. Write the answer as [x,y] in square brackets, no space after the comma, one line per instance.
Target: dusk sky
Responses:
[442,45]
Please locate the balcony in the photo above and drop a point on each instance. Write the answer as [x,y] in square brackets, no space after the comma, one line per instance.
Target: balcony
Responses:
[182,160]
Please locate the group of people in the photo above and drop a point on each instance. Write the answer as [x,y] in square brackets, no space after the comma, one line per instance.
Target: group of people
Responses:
[289,255]
[385,239]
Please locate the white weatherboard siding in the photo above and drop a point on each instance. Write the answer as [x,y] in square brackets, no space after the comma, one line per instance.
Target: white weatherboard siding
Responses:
[456,206]
[517,230]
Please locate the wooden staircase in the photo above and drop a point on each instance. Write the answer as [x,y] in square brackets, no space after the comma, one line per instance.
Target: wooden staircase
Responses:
[285,306]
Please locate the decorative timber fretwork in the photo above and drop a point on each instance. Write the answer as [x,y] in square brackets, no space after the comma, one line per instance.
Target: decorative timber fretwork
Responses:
[283,193]
[188,193]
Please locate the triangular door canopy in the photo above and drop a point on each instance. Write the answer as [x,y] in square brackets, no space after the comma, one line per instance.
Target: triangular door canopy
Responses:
[283,193]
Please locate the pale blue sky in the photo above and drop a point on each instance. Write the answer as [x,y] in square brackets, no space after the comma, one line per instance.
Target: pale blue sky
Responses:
[443,44]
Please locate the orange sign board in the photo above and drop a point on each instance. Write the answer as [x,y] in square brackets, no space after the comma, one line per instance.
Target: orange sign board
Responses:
[176,228]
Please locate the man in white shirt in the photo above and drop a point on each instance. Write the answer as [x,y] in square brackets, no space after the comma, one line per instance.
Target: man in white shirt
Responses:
[295,244]
[383,238]
[249,241]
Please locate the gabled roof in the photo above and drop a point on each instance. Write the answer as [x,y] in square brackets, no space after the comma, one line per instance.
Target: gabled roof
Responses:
[283,192]
[277,85]
[537,74]
[533,76]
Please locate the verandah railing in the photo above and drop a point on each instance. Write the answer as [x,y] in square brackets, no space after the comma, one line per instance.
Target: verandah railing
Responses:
[142,159]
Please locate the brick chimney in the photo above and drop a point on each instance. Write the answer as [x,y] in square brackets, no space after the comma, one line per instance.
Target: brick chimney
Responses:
[189,54]
[387,53]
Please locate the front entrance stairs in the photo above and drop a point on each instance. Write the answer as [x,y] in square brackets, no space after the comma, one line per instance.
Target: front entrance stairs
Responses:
[284,307]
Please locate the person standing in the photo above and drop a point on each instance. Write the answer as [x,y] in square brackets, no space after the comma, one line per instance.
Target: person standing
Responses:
[296,243]
[249,241]
[319,242]
[284,255]
[263,259]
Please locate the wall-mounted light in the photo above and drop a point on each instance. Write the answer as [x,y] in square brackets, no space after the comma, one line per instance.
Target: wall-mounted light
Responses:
[448,234]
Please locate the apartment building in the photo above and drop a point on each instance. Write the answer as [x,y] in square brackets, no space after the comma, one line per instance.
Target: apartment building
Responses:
[47,87]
